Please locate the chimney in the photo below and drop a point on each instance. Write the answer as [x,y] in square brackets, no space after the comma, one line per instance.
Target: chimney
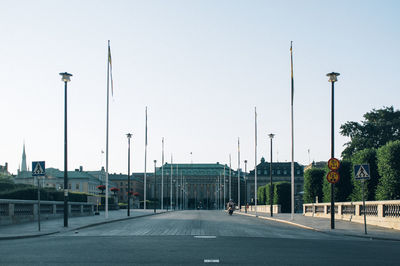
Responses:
[80,168]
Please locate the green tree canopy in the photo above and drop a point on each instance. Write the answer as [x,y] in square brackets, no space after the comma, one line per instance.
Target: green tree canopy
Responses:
[389,169]
[379,127]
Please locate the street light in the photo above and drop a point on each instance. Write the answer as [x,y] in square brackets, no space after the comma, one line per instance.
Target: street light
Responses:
[332,79]
[271,136]
[129,135]
[245,186]
[155,185]
[65,78]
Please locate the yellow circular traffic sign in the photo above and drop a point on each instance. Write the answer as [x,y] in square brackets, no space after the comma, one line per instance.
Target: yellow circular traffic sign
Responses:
[333,164]
[332,177]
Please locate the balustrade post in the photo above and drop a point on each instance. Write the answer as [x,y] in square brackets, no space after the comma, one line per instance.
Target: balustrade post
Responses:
[380,210]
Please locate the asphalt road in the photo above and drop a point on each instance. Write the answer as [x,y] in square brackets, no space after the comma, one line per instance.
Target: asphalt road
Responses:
[197,238]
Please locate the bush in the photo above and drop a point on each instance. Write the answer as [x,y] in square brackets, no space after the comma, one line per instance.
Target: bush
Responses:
[313,180]
[344,187]
[368,156]
[261,195]
[282,192]
[30,193]
[389,170]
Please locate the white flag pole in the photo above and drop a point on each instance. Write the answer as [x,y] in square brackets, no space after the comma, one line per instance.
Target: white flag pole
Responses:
[170,194]
[255,159]
[108,96]
[239,174]
[145,163]
[292,125]
[162,176]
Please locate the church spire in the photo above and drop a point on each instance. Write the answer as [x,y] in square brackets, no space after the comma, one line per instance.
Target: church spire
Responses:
[23,164]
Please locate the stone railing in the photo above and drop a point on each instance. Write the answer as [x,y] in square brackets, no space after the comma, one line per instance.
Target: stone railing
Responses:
[380,213]
[263,208]
[18,211]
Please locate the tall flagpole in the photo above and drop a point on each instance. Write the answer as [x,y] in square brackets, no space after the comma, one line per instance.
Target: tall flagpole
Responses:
[292,125]
[230,178]
[145,163]
[108,97]
[170,194]
[162,176]
[224,189]
[239,174]
[255,159]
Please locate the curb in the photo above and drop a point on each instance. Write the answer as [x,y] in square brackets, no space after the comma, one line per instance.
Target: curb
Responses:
[76,228]
[320,231]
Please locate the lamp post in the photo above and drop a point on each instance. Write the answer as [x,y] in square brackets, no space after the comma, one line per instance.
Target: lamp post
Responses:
[155,184]
[332,79]
[245,186]
[129,135]
[65,77]
[271,136]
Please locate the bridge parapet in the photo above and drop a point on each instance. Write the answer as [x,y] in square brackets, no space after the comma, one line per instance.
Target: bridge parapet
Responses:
[381,213]
[19,211]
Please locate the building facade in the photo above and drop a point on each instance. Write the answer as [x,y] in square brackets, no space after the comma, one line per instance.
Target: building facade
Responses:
[280,172]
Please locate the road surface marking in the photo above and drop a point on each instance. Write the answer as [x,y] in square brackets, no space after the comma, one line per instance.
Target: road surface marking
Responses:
[205,237]
[211,260]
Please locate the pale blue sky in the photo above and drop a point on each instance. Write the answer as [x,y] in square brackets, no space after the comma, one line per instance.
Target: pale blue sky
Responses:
[200,67]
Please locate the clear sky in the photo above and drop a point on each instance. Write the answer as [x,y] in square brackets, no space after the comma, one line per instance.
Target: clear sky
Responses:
[200,66]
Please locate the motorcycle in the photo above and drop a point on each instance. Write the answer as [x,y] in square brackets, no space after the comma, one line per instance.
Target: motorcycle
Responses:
[230,210]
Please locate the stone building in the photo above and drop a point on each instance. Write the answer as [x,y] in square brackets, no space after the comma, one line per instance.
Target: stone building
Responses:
[281,171]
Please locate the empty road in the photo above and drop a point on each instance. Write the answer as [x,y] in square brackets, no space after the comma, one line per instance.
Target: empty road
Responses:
[197,238]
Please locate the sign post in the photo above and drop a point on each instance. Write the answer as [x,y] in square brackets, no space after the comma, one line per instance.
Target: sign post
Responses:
[361,172]
[38,169]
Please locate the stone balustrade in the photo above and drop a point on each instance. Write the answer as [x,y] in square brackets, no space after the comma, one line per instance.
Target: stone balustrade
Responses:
[380,213]
[263,208]
[19,211]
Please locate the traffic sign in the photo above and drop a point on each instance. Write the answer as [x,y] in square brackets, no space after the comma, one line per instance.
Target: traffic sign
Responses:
[333,164]
[361,171]
[332,177]
[38,168]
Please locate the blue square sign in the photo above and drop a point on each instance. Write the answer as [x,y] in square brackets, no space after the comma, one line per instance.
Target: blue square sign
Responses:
[38,168]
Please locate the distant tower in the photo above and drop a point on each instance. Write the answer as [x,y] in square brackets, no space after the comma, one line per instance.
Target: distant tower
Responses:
[23,164]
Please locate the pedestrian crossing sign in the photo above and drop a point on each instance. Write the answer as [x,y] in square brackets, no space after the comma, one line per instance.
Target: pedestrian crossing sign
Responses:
[361,171]
[38,168]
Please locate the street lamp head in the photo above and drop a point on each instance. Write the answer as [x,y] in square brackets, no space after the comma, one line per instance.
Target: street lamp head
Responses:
[245,161]
[271,136]
[333,76]
[129,135]
[65,77]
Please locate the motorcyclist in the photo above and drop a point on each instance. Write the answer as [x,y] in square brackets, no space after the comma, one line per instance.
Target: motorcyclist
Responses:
[231,205]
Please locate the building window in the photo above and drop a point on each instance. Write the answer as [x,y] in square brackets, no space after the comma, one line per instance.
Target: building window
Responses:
[122,183]
[298,172]
[77,186]
[259,172]
[284,172]
[279,172]
[69,186]
[265,172]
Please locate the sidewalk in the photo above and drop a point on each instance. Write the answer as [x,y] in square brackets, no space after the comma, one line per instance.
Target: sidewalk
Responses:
[323,225]
[54,226]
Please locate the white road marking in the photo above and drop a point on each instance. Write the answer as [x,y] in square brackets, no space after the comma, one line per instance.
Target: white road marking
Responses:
[211,260]
[205,237]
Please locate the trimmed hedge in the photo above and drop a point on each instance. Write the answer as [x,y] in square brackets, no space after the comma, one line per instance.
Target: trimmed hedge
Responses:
[282,195]
[261,197]
[30,193]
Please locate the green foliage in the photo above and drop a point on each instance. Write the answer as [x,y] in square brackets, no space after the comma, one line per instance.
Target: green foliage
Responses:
[389,169]
[379,127]
[268,194]
[313,180]
[261,195]
[8,184]
[282,195]
[344,187]
[368,156]
[30,193]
